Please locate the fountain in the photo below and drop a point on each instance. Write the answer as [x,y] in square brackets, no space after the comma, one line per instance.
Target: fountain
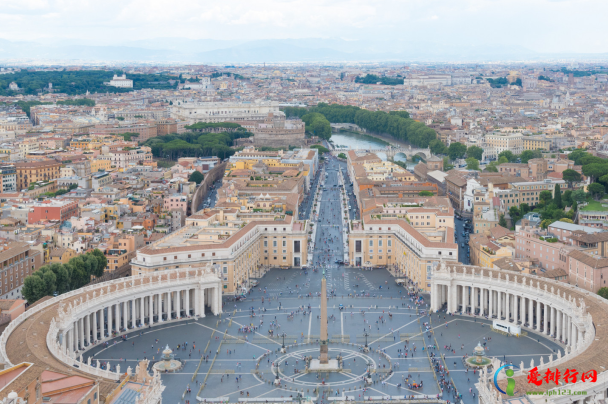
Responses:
[479,359]
[167,362]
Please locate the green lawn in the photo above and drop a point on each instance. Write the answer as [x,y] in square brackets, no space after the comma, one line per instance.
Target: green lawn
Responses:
[595,206]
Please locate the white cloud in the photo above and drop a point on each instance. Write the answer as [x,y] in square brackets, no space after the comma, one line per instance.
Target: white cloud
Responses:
[544,25]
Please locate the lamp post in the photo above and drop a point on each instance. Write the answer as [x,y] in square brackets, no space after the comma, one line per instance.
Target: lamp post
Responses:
[366,348]
[283,350]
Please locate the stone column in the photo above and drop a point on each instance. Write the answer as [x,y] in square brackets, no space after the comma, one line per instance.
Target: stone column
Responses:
[125,314]
[110,325]
[491,303]
[87,329]
[218,296]
[169,305]
[201,299]
[117,312]
[515,310]
[95,327]
[102,323]
[538,317]
[573,334]
[522,309]
[546,322]
[463,295]
[499,308]
[473,299]
[552,326]
[159,306]
[187,297]
[564,327]
[530,313]
[507,307]
[558,324]
[579,338]
[151,309]
[178,297]
[64,337]
[81,332]
[142,310]
[482,301]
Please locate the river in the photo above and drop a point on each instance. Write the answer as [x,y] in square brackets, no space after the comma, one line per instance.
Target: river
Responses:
[355,140]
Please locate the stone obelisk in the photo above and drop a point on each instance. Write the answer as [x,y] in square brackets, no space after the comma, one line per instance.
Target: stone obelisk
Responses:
[324,358]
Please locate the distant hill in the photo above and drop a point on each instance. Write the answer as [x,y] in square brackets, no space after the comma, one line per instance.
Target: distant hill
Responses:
[183,50]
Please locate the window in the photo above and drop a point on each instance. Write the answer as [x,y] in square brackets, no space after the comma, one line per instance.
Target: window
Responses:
[203,254]
[265,243]
[358,246]
[371,243]
[164,258]
[284,243]
[213,254]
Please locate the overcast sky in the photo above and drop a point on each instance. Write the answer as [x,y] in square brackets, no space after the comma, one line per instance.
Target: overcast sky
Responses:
[540,25]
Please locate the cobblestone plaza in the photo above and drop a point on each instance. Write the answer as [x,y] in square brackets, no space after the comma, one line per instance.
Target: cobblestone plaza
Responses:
[238,364]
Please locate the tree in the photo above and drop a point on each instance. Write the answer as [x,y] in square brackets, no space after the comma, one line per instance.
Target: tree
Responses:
[571,176]
[425,193]
[509,155]
[595,170]
[446,164]
[491,168]
[102,262]
[50,281]
[557,196]
[502,160]
[579,196]
[596,190]
[475,152]
[502,221]
[456,151]
[545,223]
[603,292]
[545,197]
[567,198]
[317,125]
[437,147]
[529,155]
[342,156]
[515,213]
[566,220]
[197,177]
[33,288]
[472,163]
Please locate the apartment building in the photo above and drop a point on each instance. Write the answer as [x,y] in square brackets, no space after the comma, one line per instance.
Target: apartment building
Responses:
[8,174]
[126,158]
[17,260]
[536,244]
[34,171]
[507,141]
[52,209]
[411,239]
[536,143]
[241,245]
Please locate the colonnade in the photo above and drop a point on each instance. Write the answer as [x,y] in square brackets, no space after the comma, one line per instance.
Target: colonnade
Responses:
[135,312]
[533,312]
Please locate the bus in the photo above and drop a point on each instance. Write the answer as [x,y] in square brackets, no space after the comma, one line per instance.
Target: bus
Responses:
[507,327]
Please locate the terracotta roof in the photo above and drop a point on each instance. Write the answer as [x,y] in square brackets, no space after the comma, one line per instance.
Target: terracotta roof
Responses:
[593,262]
[499,232]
